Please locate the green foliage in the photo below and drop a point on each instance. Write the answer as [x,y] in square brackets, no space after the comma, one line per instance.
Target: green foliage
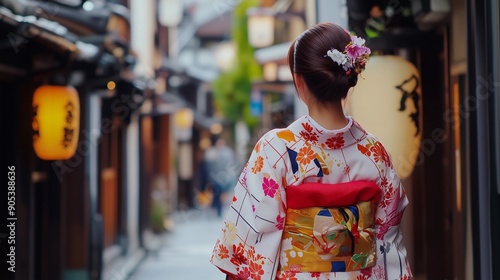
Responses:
[232,89]
[157,215]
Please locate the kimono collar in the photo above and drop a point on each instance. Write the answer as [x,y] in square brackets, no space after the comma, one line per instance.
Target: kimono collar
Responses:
[314,134]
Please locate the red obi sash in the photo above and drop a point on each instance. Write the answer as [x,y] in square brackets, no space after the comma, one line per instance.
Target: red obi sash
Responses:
[330,227]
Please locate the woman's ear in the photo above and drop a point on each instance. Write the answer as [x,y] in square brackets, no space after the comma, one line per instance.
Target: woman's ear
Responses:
[299,81]
[301,87]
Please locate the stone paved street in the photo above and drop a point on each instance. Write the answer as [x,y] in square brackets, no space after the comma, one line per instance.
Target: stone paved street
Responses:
[186,250]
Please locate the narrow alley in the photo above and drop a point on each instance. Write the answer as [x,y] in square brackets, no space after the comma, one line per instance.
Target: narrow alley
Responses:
[186,250]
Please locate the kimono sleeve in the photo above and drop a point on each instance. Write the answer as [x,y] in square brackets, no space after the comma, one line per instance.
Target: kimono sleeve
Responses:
[392,252]
[248,247]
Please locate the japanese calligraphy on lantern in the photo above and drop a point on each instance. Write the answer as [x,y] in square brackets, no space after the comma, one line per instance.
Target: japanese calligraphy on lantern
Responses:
[56,121]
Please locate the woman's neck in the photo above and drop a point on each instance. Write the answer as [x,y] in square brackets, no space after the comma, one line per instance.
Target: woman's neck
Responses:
[330,116]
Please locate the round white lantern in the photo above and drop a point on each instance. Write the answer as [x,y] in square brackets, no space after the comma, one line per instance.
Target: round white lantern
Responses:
[387,102]
[260,27]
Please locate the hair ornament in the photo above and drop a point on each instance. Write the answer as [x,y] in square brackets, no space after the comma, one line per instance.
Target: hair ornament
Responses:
[354,57]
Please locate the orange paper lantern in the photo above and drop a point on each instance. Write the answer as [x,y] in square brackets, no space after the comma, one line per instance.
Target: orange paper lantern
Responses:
[56,122]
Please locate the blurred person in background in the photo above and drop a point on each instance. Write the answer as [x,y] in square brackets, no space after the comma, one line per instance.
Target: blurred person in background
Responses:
[216,171]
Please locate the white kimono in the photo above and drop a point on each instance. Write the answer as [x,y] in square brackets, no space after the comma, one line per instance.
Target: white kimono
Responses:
[252,243]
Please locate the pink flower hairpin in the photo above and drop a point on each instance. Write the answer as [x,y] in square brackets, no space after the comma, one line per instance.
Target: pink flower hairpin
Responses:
[353,58]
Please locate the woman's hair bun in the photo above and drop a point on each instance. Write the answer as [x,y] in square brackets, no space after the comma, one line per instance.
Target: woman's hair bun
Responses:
[328,59]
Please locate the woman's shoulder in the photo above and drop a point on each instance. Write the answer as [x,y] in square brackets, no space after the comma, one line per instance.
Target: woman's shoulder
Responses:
[368,136]
[274,136]
[273,141]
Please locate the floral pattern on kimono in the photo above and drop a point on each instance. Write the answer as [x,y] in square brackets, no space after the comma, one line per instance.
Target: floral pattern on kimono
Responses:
[250,245]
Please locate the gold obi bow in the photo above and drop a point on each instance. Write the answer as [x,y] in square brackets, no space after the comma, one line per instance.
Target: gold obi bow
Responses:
[330,227]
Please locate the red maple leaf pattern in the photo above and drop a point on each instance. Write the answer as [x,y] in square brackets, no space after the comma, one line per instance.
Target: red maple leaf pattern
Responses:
[380,154]
[243,273]
[335,142]
[307,127]
[223,252]
[384,182]
[365,150]
[253,256]
[315,274]
[288,275]
[256,270]
[238,257]
[309,136]
[388,196]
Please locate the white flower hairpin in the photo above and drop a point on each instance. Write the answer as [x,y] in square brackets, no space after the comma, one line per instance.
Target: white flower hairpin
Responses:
[354,57]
